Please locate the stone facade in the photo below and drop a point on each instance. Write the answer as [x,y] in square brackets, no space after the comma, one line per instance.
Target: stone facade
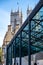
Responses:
[15,23]
[7,39]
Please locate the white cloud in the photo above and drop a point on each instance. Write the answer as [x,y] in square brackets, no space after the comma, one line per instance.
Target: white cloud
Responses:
[4,21]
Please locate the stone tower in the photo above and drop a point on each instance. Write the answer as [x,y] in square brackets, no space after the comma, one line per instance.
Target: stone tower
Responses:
[16,19]
[15,24]
[28,11]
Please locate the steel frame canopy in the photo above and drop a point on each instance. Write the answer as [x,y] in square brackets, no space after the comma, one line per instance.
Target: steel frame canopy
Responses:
[29,38]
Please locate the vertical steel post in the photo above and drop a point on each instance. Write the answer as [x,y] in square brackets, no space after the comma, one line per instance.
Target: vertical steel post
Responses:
[29,43]
[11,56]
[6,56]
[20,46]
[15,52]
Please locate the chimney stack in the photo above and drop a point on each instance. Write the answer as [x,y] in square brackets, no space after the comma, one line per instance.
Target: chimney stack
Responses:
[9,27]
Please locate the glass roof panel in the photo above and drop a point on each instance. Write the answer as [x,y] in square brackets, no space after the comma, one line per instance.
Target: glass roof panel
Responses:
[36,35]
[37,31]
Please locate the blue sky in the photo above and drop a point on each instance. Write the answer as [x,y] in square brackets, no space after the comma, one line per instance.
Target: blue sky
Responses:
[5,9]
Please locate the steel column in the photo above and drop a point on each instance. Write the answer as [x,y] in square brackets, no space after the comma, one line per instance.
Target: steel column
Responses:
[11,56]
[7,56]
[29,44]
[20,47]
[15,52]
